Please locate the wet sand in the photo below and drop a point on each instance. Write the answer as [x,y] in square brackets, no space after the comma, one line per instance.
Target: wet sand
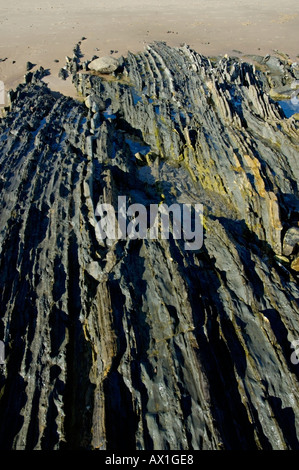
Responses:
[44,32]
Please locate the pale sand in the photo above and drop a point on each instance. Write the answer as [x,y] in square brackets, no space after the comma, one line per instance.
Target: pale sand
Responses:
[41,32]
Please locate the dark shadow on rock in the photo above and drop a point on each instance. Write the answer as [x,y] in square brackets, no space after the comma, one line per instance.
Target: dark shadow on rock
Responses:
[220,352]
[285,418]
[79,396]
[12,402]
[281,334]
[121,419]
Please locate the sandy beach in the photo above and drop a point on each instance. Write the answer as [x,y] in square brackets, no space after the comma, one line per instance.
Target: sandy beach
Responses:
[44,33]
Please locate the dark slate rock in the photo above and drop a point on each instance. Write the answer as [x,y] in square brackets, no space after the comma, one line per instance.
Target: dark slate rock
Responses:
[137,343]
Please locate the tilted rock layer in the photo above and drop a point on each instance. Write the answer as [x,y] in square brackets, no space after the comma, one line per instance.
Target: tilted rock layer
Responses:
[140,344]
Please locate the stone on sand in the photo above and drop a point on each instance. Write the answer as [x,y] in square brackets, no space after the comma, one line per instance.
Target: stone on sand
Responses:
[104,65]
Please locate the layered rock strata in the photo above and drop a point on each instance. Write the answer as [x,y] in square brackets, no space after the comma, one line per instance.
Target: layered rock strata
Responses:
[140,344]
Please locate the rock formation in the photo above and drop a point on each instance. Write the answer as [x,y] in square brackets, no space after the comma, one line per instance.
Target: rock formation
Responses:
[140,344]
[104,65]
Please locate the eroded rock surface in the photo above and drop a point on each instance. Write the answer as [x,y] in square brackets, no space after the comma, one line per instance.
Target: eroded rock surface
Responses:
[140,344]
[104,64]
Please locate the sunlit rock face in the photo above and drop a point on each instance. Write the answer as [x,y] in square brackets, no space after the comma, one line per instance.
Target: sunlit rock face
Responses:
[142,344]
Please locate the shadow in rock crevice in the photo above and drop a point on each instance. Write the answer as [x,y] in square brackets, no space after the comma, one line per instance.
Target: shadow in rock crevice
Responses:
[220,353]
[121,417]
[79,391]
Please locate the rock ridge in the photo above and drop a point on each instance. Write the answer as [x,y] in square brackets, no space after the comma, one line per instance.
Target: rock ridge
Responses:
[139,344]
